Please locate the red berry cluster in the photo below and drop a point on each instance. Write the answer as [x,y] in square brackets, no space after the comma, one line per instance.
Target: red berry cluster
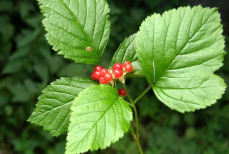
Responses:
[101,74]
[104,76]
[122,92]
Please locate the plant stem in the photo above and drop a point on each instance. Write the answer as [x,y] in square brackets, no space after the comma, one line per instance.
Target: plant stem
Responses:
[132,131]
[130,104]
[124,86]
[136,137]
[139,146]
[137,130]
[142,94]
[115,84]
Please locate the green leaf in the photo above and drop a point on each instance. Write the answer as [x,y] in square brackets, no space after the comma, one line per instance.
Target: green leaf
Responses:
[99,116]
[12,66]
[202,94]
[73,26]
[127,52]
[179,52]
[19,53]
[53,108]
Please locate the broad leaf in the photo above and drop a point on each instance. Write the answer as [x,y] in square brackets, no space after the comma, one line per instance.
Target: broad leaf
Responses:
[179,52]
[99,116]
[77,27]
[53,108]
[127,52]
[183,98]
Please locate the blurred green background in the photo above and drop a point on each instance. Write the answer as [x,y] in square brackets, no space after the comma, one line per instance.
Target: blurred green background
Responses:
[28,64]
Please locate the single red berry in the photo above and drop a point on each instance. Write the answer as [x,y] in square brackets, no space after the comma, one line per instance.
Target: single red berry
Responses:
[102,80]
[104,71]
[93,76]
[126,63]
[108,77]
[98,68]
[129,68]
[97,75]
[122,91]
[117,66]
[118,73]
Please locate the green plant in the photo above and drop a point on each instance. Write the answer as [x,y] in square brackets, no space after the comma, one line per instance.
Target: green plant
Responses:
[177,52]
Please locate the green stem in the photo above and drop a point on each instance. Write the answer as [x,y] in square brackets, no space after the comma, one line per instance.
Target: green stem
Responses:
[136,137]
[137,130]
[115,84]
[132,131]
[124,86]
[139,146]
[130,104]
[142,94]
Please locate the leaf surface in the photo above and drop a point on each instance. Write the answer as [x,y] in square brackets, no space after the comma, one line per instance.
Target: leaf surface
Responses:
[99,116]
[73,26]
[53,108]
[127,52]
[179,52]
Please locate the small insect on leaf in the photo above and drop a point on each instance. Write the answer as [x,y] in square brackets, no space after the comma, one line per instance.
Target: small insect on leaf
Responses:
[89,49]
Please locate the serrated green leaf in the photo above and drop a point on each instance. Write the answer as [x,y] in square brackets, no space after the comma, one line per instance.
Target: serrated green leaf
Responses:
[179,52]
[99,116]
[73,26]
[203,94]
[127,52]
[53,108]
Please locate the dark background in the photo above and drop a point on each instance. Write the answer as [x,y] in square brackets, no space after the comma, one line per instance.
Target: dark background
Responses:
[28,64]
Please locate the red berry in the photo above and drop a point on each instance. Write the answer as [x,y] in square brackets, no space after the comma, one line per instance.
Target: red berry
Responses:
[129,68]
[108,77]
[102,80]
[93,76]
[118,73]
[126,63]
[97,75]
[98,68]
[117,66]
[122,92]
[104,71]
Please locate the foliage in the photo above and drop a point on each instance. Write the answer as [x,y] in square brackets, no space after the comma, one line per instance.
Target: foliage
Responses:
[29,65]
[171,48]
[53,108]
[179,52]
[84,23]
[99,117]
